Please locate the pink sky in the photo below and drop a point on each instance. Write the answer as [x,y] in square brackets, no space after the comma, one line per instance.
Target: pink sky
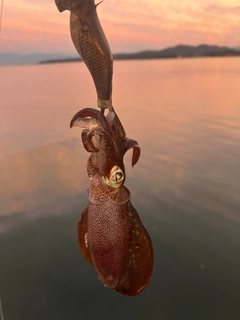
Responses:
[130,25]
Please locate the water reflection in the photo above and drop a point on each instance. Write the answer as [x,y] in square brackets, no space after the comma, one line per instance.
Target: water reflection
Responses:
[185,187]
[41,177]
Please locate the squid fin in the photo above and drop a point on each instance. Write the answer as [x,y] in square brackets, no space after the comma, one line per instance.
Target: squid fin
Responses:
[82,236]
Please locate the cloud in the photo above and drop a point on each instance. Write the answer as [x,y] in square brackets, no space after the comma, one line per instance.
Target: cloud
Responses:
[223,10]
[129,25]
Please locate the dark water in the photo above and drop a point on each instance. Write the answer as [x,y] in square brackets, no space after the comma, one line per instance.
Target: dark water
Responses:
[185,114]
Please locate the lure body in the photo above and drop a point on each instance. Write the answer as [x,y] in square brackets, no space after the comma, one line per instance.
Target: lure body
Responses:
[91,44]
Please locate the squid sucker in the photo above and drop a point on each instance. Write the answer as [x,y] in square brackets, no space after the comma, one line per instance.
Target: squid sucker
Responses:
[91,44]
[111,235]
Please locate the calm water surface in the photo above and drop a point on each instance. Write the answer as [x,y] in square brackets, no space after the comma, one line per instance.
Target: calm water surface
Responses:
[185,114]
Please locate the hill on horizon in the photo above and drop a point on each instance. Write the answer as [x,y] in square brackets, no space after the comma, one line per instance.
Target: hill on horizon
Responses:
[178,51]
[182,51]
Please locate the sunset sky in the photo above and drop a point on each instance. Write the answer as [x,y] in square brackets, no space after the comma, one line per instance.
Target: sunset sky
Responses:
[130,25]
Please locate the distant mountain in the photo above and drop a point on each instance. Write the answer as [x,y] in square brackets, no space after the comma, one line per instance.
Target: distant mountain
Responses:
[173,52]
[178,51]
[60,61]
[9,58]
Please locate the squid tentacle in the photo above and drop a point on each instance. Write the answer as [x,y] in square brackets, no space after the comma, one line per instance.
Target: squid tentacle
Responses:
[131,144]
[92,113]
[117,127]
[92,134]
[87,143]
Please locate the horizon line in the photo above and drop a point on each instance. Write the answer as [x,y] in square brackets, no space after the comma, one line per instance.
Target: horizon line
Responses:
[123,52]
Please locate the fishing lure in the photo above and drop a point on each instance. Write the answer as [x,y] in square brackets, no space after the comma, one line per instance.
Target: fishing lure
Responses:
[110,232]
[91,44]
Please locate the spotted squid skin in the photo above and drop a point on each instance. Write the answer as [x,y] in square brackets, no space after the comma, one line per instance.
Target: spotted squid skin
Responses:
[91,44]
[140,263]
[117,245]
[108,236]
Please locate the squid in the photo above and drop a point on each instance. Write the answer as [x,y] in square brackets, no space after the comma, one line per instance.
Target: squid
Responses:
[111,235]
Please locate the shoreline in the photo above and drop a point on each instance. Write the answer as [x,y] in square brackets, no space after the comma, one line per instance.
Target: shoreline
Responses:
[72,60]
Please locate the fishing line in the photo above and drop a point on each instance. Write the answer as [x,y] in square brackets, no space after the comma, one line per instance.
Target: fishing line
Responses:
[1,14]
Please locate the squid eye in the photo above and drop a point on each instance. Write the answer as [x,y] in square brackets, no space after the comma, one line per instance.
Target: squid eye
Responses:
[116,178]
